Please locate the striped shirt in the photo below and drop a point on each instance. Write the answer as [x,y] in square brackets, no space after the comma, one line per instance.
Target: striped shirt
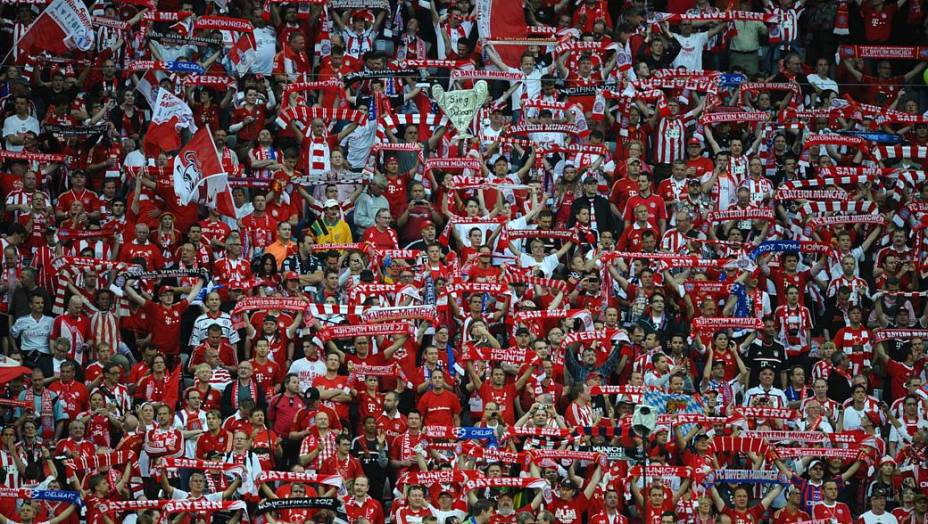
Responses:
[204,321]
[670,139]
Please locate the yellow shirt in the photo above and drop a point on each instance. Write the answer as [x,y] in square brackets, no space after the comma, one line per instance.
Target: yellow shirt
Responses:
[340,233]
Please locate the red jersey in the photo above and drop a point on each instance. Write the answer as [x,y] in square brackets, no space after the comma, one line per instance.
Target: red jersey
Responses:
[751,515]
[268,376]
[258,231]
[227,355]
[788,516]
[568,511]
[73,395]
[838,513]
[87,198]
[438,409]
[348,468]
[878,24]
[165,325]
[603,518]
[149,252]
[211,446]
[504,397]
[338,382]
[368,508]
[657,208]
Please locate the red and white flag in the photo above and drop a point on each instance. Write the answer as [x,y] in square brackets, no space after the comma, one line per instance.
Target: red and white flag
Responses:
[242,55]
[198,175]
[10,370]
[148,86]
[169,115]
[63,26]
[503,19]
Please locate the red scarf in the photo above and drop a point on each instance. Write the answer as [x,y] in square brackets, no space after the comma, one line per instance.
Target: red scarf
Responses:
[47,411]
[252,386]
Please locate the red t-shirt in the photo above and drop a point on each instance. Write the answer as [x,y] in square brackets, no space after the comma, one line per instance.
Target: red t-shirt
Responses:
[878,24]
[479,274]
[657,209]
[438,408]
[568,511]
[751,515]
[148,252]
[339,382]
[268,376]
[839,513]
[165,325]
[504,397]
[787,516]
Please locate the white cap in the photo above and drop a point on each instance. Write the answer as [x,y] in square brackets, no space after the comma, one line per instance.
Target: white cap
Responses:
[330,203]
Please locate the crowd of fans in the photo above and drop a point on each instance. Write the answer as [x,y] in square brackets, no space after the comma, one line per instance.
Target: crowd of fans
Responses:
[671,272]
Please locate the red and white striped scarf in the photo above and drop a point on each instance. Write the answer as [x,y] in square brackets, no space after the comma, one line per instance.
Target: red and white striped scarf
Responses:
[882,152]
[318,157]
[70,267]
[835,206]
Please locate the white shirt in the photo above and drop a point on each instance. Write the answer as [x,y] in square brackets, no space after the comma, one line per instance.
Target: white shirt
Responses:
[14,125]
[691,48]
[547,265]
[134,159]
[530,84]
[883,518]
[307,371]
[266,42]
[180,422]
[34,333]
[775,393]
[180,494]
[853,417]
[358,144]
[822,83]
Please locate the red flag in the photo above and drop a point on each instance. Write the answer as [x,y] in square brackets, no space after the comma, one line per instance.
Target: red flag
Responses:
[242,55]
[501,19]
[198,162]
[63,26]
[172,388]
[9,373]
[168,115]
[161,137]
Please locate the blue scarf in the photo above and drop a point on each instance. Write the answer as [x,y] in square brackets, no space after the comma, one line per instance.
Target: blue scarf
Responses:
[474,433]
[877,138]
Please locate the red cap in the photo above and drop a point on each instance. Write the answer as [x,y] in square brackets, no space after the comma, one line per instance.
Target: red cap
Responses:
[164,288]
[428,223]
[291,275]
[694,140]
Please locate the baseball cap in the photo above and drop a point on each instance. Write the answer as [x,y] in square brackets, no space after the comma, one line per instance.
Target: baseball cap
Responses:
[291,275]
[330,203]
[270,318]
[816,462]
[164,288]
[661,428]
[590,180]
[567,483]
[428,223]
[878,492]
[694,141]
